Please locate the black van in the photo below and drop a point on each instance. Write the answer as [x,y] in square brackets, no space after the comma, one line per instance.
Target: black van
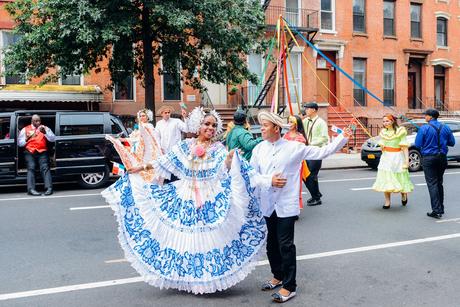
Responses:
[80,151]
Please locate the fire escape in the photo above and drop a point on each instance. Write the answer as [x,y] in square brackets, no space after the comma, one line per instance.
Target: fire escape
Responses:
[304,21]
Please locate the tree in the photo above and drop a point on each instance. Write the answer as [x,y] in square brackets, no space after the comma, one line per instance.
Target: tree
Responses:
[207,37]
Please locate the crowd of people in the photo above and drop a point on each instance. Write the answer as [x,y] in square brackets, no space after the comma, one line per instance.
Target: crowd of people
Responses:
[194,214]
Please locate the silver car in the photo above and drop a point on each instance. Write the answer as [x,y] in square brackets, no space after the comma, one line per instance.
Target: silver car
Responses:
[371,151]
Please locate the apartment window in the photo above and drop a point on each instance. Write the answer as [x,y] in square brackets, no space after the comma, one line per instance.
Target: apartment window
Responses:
[415,20]
[389,18]
[439,87]
[389,82]
[359,16]
[441,31]
[71,80]
[124,90]
[171,84]
[327,15]
[10,38]
[359,74]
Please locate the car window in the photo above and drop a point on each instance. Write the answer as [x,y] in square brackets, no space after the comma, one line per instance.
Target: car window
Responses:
[412,127]
[116,129]
[81,124]
[5,128]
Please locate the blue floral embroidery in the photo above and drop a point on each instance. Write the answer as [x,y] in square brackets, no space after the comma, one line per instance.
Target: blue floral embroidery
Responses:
[168,262]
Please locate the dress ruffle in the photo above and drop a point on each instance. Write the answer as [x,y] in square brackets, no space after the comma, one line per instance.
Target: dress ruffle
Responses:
[388,181]
[173,242]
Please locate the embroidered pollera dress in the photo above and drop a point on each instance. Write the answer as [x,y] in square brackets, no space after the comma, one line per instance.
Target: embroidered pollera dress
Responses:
[144,147]
[201,233]
[391,176]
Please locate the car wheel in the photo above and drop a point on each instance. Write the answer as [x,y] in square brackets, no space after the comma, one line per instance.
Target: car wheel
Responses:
[94,180]
[373,165]
[415,161]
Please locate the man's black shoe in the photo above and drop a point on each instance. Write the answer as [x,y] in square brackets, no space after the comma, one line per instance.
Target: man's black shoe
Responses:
[33,193]
[315,202]
[48,192]
[434,215]
[310,200]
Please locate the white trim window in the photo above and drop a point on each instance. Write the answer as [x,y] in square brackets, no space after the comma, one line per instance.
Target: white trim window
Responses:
[359,16]
[359,74]
[255,65]
[389,82]
[441,31]
[71,80]
[8,38]
[125,90]
[415,20]
[171,85]
[327,15]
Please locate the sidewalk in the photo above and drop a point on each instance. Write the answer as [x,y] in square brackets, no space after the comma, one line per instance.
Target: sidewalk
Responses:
[343,160]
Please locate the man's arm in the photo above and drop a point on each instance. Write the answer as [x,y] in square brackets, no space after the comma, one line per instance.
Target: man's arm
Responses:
[248,142]
[257,179]
[419,137]
[49,135]
[22,138]
[451,138]
[319,153]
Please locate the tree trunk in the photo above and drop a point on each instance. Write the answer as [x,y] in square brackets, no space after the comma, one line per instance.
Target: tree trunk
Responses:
[149,79]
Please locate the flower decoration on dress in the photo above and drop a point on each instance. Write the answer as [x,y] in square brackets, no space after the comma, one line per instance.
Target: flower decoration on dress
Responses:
[147,112]
[197,116]
[199,151]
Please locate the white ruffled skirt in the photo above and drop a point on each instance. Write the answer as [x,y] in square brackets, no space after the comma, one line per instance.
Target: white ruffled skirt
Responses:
[173,242]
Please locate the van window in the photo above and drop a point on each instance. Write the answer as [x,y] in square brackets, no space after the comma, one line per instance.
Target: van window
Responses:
[81,124]
[116,129]
[5,128]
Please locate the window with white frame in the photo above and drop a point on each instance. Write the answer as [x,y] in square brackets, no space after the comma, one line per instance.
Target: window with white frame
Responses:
[9,38]
[172,84]
[441,31]
[327,15]
[416,20]
[124,90]
[71,80]
[359,74]
[389,18]
[359,16]
[389,82]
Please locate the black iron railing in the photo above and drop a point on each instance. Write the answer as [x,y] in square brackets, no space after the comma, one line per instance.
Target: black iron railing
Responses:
[300,18]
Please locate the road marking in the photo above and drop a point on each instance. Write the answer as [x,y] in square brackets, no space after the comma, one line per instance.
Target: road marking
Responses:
[116,261]
[449,220]
[361,189]
[88,208]
[116,282]
[49,197]
[421,183]
[373,178]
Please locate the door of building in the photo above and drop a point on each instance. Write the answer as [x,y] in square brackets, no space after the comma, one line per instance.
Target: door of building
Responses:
[411,95]
[326,82]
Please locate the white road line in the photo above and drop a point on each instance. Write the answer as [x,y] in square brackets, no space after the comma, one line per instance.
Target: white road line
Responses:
[88,208]
[449,220]
[361,189]
[48,197]
[108,283]
[116,261]
[421,184]
[116,282]
[373,178]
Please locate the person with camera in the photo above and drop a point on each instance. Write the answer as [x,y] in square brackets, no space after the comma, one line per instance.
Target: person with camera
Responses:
[34,139]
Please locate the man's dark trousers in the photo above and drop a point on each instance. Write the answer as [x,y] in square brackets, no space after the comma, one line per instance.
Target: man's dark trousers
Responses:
[434,167]
[312,181]
[281,250]
[43,162]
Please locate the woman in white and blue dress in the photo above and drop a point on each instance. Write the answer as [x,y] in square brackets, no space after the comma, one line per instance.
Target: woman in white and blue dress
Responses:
[202,233]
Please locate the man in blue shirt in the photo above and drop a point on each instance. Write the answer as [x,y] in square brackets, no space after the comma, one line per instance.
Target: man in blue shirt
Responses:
[432,140]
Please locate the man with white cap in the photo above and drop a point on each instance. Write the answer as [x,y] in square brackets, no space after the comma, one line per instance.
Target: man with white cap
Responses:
[276,162]
[170,129]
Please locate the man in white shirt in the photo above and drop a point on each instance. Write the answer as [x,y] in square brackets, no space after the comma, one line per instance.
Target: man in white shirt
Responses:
[170,129]
[276,162]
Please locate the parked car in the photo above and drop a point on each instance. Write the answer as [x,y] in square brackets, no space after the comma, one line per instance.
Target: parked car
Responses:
[371,151]
[80,151]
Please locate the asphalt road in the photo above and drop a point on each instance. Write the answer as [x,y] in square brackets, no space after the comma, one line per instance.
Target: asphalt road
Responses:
[63,251]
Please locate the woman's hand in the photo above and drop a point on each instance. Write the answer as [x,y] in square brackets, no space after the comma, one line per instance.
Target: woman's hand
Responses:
[347,133]
[135,169]
[228,160]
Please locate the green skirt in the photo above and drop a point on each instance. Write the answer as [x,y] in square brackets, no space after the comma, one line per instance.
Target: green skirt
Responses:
[388,181]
